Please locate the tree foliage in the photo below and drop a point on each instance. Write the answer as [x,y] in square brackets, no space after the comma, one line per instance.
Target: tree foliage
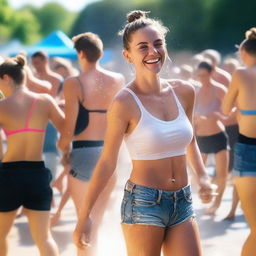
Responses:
[52,16]
[193,24]
[103,18]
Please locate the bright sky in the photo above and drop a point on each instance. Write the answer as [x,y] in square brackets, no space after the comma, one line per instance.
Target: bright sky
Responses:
[72,5]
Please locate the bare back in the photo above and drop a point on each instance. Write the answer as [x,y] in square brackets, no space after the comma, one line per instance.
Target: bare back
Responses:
[208,101]
[246,100]
[96,90]
[14,111]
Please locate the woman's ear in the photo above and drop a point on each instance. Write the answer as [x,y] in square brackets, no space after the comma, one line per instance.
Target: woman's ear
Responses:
[126,55]
[6,78]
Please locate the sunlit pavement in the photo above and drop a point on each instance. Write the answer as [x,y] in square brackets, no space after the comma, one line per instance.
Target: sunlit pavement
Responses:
[219,238]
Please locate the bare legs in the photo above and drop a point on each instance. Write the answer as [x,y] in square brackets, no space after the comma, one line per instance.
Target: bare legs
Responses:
[77,190]
[39,223]
[145,240]
[235,201]
[221,162]
[246,189]
[6,222]
[39,226]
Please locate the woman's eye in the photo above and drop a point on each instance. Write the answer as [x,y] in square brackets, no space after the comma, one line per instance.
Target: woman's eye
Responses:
[143,47]
[158,45]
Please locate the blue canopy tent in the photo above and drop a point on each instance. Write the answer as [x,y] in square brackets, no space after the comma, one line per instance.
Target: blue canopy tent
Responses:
[58,44]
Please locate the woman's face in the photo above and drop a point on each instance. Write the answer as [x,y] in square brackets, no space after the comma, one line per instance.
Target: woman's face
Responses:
[203,75]
[147,50]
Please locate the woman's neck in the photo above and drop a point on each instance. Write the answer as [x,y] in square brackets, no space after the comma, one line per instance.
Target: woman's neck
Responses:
[13,90]
[148,84]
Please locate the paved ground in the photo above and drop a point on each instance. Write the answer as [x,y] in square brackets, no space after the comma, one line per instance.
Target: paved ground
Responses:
[219,238]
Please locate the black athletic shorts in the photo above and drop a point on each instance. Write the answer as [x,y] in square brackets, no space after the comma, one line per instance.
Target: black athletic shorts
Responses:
[213,144]
[25,183]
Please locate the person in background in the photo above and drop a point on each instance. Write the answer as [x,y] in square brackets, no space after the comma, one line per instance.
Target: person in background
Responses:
[210,131]
[186,73]
[87,99]
[24,179]
[40,63]
[231,65]
[63,67]
[242,94]
[218,74]
[232,130]
[154,118]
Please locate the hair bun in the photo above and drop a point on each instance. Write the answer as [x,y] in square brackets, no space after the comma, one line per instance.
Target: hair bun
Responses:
[20,59]
[135,15]
[251,34]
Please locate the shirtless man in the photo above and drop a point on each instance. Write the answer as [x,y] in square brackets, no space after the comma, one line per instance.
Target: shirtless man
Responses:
[219,75]
[41,64]
[35,84]
[210,131]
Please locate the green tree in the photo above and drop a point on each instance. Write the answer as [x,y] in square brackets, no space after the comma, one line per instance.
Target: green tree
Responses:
[104,18]
[229,21]
[6,16]
[53,16]
[25,27]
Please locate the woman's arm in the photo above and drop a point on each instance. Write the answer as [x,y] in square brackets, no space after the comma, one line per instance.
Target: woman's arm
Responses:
[56,114]
[230,98]
[71,95]
[117,123]
[193,153]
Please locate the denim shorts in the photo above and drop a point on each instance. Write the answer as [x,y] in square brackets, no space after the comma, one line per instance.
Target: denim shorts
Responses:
[244,160]
[148,206]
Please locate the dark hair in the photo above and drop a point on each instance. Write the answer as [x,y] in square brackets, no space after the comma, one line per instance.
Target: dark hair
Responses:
[249,44]
[205,65]
[137,20]
[90,44]
[40,54]
[14,67]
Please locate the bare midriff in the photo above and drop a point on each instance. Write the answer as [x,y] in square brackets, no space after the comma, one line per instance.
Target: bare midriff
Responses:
[159,174]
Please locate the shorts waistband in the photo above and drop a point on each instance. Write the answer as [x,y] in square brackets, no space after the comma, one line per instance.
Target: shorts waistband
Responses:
[246,140]
[212,136]
[130,187]
[23,164]
[87,143]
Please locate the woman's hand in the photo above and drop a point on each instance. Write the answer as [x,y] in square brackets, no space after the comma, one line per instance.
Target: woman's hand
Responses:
[207,189]
[63,145]
[82,233]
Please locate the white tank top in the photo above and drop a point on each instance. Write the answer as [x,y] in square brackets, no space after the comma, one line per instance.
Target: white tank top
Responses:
[154,139]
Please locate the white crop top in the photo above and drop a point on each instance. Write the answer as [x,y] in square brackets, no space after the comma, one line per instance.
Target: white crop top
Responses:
[154,139]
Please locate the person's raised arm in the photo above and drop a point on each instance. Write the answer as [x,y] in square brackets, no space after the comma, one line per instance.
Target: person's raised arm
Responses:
[117,123]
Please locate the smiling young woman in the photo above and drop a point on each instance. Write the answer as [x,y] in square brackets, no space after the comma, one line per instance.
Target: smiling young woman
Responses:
[153,116]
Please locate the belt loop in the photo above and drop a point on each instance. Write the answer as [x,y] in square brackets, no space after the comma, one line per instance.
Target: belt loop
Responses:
[129,186]
[160,192]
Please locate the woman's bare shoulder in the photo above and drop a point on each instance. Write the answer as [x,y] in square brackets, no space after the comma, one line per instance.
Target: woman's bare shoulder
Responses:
[182,87]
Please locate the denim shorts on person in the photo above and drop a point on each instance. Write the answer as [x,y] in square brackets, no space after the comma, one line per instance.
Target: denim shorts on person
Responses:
[244,160]
[147,206]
